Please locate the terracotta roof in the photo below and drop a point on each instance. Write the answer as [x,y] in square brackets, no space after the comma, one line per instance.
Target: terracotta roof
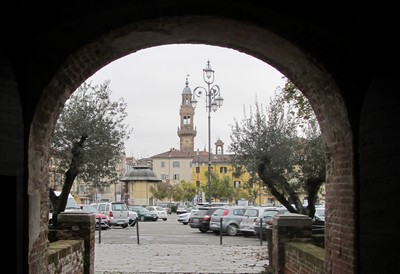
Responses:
[174,153]
[200,156]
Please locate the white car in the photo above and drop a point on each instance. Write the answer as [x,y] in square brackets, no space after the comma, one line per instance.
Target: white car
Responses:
[184,218]
[132,217]
[161,212]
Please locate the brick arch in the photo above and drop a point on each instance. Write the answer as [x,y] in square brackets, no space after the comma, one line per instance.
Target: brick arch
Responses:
[308,75]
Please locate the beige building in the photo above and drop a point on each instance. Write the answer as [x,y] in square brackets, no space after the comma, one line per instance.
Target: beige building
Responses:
[138,182]
[173,166]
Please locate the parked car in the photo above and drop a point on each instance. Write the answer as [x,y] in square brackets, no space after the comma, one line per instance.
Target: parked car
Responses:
[201,218]
[144,214]
[168,209]
[318,222]
[265,222]
[72,205]
[184,218]
[118,212]
[133,216]
[181,209]
[105,221]
[231,218]
[317,227]
[160,211]
[246,227]
[320,213]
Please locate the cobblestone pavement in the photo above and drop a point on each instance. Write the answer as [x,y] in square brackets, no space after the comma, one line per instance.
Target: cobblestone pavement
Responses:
[178,258]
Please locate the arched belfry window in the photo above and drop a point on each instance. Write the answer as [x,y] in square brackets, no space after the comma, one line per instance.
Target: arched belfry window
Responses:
[186,120]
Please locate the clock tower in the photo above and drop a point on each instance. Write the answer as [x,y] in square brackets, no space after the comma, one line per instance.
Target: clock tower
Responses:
[186,131]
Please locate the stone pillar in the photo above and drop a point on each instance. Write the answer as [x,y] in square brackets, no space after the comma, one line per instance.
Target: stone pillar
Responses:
[79,225]
[289,227]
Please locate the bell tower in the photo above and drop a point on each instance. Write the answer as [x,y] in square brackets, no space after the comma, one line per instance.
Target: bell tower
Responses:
[186,131]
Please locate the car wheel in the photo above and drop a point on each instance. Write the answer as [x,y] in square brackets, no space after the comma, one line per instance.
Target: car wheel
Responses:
[165,219]
[142,218]
[231,230]
[185,223]
[203,230]
[124,226]
[216,232]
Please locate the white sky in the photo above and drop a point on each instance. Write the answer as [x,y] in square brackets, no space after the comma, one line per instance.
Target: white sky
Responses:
[151,82]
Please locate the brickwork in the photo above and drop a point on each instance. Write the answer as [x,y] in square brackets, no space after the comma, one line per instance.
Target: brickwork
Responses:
[66,257]
[303,258]
[287,228]
[324,52]
[79,226]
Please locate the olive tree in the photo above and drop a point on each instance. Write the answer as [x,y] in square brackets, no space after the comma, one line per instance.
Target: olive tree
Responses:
[284,148]
[88,139]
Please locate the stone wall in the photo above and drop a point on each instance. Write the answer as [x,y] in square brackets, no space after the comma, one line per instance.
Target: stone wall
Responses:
[66,256]
[303,258]
[78,226]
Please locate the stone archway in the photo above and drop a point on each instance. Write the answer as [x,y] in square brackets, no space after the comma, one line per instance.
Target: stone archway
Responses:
[308,75]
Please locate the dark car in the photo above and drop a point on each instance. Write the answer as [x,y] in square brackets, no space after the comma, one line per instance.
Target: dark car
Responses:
[144,214]
[265,221]
[318,225]
[201,218]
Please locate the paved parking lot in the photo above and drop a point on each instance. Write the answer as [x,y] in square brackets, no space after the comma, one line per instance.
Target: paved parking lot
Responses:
[171,247]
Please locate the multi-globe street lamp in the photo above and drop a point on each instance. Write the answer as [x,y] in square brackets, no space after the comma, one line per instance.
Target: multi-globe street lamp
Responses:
[213,102]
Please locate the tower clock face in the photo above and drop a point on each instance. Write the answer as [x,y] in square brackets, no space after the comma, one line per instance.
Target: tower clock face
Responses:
[186,141]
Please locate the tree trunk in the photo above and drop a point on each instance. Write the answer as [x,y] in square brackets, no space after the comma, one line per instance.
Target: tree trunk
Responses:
[60,202]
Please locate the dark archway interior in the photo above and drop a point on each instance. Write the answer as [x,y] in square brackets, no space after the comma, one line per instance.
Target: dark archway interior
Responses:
[334,55]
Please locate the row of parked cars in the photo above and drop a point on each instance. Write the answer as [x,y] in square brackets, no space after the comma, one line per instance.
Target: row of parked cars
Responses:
[113,214]
[241,220]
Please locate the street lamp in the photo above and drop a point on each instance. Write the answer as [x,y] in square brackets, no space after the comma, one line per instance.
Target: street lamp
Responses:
[213,102]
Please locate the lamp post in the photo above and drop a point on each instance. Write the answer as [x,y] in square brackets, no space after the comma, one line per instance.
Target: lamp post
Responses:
[213,102]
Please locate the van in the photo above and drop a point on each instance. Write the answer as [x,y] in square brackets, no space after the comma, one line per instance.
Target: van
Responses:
[118,212]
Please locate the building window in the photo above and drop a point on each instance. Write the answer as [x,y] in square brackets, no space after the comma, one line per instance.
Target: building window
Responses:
[162,164]
[163,176]
[236,184]
[176,164]
[176,177]
[197,169]
[223,169]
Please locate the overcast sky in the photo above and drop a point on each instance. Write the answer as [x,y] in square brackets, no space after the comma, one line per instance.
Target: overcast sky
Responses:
[151,82]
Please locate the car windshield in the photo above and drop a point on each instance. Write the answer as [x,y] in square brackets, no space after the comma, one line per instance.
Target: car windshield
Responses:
[137,208]
[320,212]
[269,214]
[251,212]
[200,212]
[89,208]
[119,207]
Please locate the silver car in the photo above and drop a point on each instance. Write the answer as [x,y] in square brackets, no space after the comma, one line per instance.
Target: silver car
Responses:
[249,218]
[118,212]
[231,219]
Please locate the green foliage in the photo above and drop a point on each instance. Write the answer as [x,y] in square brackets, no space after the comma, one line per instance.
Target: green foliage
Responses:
[189,190]
[220,188]
[283,146]
[162,191]
[89,136]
